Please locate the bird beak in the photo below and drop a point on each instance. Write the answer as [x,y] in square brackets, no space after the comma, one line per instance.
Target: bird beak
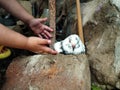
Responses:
[73,46]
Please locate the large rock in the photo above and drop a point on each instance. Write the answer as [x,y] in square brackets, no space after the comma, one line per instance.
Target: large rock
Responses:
[102,41]
[48,72]
[101,56]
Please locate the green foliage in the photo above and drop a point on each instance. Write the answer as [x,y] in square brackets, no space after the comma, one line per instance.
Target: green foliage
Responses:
[95,87]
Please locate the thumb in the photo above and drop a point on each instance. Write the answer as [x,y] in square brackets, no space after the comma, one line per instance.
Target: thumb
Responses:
[42,20]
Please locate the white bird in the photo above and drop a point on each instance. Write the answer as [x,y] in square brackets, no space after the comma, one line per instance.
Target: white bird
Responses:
[70,45]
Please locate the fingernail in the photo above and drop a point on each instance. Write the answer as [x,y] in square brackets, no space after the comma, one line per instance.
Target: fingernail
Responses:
[49,41]
[54,52]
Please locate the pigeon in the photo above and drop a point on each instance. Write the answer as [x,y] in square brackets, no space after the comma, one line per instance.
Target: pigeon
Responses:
[70,45]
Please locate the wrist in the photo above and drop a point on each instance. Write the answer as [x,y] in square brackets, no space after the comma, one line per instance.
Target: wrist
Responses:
[28,21]
[29,44]
[25,45]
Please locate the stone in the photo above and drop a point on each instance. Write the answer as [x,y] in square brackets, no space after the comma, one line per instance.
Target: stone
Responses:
[116,3]
[103,47]
[117,55]
[49,72]
[101,56]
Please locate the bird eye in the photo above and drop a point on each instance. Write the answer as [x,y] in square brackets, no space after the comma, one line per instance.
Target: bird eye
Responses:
[70,40]
[76,38]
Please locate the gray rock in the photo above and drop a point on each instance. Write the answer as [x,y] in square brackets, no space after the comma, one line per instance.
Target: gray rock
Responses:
[103,48]
[117,55]
[116,3]
[101,56]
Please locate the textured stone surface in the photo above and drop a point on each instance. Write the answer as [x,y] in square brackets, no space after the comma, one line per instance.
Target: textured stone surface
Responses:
[117,55]
[116,3]
[102,42]
[48,72]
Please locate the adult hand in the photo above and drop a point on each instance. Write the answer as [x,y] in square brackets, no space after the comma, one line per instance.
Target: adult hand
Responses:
[43,31]
[39,45]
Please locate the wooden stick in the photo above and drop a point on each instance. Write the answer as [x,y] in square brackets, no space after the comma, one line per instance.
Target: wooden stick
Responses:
[52,19]
[80,30]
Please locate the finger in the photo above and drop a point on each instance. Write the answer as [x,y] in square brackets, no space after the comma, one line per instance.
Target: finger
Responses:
[42,20]
[48,28]
[47,34]
[44,41]
[48,50]
[39,52]
[39,35]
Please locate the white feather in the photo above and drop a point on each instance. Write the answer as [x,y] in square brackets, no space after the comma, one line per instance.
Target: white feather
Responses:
[57,47]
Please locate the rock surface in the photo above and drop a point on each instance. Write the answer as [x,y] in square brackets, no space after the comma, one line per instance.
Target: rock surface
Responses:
[116,3]
[102,42]
[48,72]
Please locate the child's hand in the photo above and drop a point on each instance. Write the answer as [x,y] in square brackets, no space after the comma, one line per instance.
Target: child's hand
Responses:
[39,45]
[40,29]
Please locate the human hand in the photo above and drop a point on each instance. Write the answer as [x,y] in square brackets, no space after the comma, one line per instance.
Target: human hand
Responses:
[40,29]
[39,45]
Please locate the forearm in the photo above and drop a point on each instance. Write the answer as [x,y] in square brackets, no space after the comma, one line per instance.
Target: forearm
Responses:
[13,7]
[11,38]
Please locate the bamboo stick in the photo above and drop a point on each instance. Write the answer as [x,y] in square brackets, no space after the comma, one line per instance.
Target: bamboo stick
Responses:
[52,19]
[80,30]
